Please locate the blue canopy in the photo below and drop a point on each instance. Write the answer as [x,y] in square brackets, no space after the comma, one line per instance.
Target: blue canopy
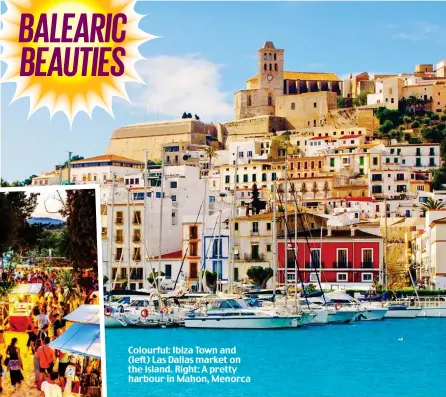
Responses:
[80,339]
[85,314]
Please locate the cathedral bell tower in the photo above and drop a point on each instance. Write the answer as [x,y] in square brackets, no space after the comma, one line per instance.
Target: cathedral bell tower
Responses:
[271,68]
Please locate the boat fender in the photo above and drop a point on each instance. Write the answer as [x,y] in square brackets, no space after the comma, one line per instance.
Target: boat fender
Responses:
[144,313]
[108,311]
[338,306]
[121,309]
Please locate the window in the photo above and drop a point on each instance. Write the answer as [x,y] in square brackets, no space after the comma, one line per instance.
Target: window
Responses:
[254,177]
[400,177]
[346,160]
[367,277]
[255,227]
[431,151]
[173,197]
[332,162]
[273,176]
[136,254]
[341,277]
[268,226]
[264,177]
[193,232]
[431,162]
[193,270]
[227,178]
[315,257]
[293,106]
[387,160]
[236,226]
[401,188]
[249,100]
[245,178]
[249,153]
[158,195]
[119,236]
[315,105]
[168,271]
[342,257]
[268,247]
[173,184]
[270,100]
[240,155]
[361,160]
[136,236]
[367,258]
[313,278]
[136,217]
[418,162]
[418,151]
[255,251]
[119,218]
[118,254]
[420,188]
[216,249]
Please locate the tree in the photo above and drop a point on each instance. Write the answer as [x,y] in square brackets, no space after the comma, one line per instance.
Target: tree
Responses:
[256,204]
[414,102]
[197,117]
[80,244]
[341,102]
[184,116]
[406,121]
[260,275]
[210,153]
[386,127]
[314,189]
[439,178]
[189,115]
[432,204]
[15,231]
[153,276]
[73,158]
[211,280]
[68,283]
[415,124]
[28,181]
[361,99]
[326,189]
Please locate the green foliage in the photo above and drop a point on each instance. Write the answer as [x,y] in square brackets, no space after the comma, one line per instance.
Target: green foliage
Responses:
[260,275]
[386,127]
[361,99]
[310,288]
[211,280]
[439,178]
[105,280]
[153,276]
[73,158]
[79,243]
[383,114]
[256,203]
[415,124]
[432,204]
[443,117]
[6,287]
[68,283]
[15,231]
[341,102]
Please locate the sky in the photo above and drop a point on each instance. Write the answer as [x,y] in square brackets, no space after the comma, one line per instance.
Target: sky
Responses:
[207,50]
[49,203]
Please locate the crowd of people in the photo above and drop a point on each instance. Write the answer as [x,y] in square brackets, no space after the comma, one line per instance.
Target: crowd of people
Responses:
[56,372]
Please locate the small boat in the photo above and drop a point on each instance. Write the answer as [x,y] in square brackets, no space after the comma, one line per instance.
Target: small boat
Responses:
[435,308]
[224,313]
[401,311]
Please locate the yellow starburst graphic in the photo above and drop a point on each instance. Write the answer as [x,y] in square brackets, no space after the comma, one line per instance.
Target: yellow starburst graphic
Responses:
[71,56]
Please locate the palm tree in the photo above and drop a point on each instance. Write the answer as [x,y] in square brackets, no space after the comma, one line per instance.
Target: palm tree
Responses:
[314,189]
[432,204]
[68,283]
[211,153]
[326,188]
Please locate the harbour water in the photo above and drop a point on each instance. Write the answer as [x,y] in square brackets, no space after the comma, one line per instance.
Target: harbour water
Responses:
[389,358]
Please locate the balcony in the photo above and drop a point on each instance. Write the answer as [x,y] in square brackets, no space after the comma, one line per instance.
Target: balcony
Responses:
[314,265]
[136,239]
[254,232]
[367,265]
[254,258]
[136,277]
[342,265]
[119,240]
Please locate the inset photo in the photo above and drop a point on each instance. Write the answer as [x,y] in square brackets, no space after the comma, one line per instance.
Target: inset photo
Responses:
[49,292]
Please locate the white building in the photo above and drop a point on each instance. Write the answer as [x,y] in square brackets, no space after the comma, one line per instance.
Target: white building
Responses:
[417,156]
[249,151]
[103,169]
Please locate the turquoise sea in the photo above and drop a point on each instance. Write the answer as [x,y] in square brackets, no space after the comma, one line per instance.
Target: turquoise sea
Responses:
[390,358]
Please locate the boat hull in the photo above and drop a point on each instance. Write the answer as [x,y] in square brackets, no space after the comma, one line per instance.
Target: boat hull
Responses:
[372,314]
[341,316]
[242,323]
[321,317]
[407,313]
[111,322]
[432,312]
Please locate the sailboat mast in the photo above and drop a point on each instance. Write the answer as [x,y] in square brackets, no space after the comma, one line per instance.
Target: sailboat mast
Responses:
[145,220]
[110,258]
[232,223]
[274,242]
[161,223]
[203,233]
[285,246]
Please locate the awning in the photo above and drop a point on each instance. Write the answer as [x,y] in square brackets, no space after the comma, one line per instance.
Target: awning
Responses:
[27,289]
[80,339]
[85,314]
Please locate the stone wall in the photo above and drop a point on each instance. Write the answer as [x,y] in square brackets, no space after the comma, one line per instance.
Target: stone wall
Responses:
[257,127]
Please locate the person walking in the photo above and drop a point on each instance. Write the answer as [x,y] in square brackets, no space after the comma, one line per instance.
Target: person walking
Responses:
[46,358]
[36,361]
[15,364]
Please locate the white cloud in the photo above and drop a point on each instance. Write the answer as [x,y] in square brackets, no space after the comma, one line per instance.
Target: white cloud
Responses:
[417,31]
[177,84]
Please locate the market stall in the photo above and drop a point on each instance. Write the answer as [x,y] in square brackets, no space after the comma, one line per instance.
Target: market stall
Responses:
[83,342]
[21,302]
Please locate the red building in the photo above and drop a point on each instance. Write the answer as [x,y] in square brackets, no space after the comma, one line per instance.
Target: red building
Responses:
[340,257]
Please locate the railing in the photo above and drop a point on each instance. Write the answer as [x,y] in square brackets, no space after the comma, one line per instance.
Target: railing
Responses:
[342,265]
[367,265]
[314,265]
[136,277]
[254,232]
[136,239]
[119,240]
[253,258]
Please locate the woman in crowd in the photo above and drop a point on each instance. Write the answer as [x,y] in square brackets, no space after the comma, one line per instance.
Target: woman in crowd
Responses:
[15,364]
